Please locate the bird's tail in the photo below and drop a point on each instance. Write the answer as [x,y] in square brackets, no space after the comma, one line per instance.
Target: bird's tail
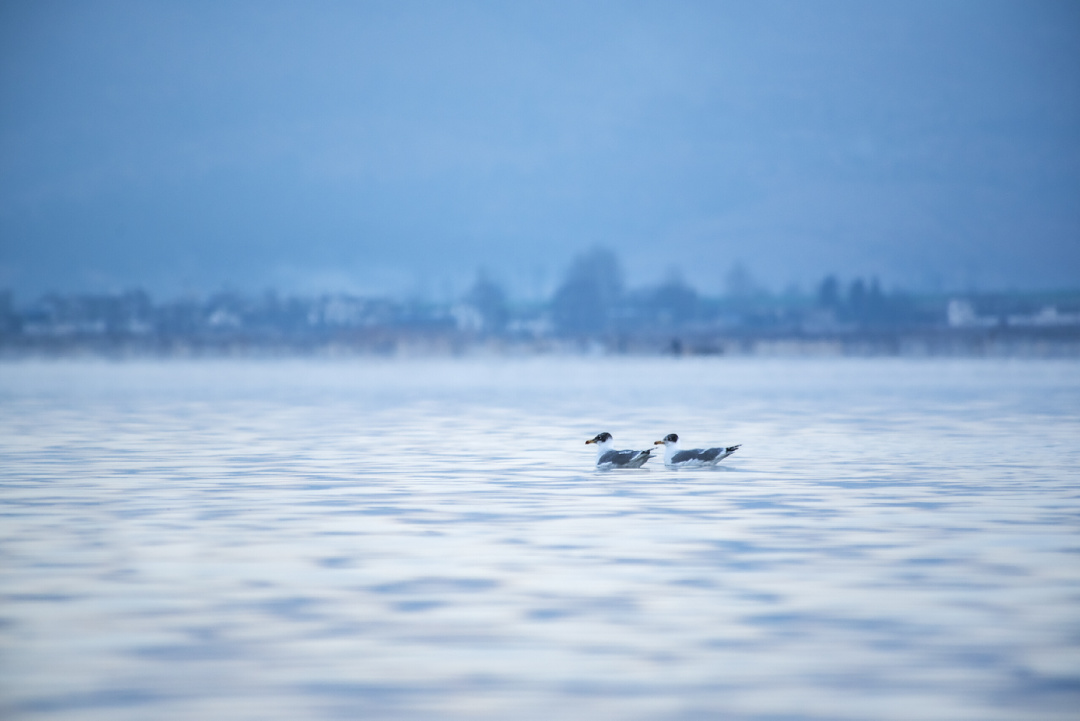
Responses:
[732,449]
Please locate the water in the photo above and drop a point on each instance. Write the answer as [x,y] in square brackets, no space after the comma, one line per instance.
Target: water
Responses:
[896,539]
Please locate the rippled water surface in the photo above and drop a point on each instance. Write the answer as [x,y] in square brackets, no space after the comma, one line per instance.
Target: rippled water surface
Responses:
[896,539]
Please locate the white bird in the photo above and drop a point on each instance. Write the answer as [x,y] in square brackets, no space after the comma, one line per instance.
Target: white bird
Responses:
[674,457]
[607,457]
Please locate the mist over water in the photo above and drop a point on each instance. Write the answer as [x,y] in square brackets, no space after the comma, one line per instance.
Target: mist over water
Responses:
[424,539]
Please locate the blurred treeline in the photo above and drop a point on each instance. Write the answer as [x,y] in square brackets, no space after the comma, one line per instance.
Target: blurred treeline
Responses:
[591,304]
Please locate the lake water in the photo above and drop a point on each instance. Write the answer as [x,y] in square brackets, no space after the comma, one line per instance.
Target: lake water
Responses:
[427,539]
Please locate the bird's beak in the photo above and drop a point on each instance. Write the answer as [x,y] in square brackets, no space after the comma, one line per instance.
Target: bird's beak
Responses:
[658,443]
[591,440]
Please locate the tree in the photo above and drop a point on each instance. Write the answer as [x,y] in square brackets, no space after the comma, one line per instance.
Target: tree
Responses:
[857,297]
[829,292]
[489,300]
[740,283]
[675,301]
[584,301]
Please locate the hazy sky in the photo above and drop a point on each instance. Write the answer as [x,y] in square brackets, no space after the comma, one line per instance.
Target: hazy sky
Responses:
[399,146]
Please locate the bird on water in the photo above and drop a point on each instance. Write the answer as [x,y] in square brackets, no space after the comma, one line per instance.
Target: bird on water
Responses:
[675,457]
[607,457]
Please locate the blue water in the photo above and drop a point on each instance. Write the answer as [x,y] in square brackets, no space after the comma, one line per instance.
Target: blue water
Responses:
[426,539]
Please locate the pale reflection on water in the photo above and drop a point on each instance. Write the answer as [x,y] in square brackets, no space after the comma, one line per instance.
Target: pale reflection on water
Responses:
[426,540]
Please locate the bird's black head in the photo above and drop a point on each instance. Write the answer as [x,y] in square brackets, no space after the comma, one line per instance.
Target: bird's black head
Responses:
[671,438]
[600,438]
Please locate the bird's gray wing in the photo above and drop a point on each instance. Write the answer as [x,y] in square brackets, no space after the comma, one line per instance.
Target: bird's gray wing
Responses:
[709,454]
[684,456]
[616,458]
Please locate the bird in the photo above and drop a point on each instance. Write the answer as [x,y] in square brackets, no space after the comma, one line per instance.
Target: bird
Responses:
[676,458]
[608,458]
